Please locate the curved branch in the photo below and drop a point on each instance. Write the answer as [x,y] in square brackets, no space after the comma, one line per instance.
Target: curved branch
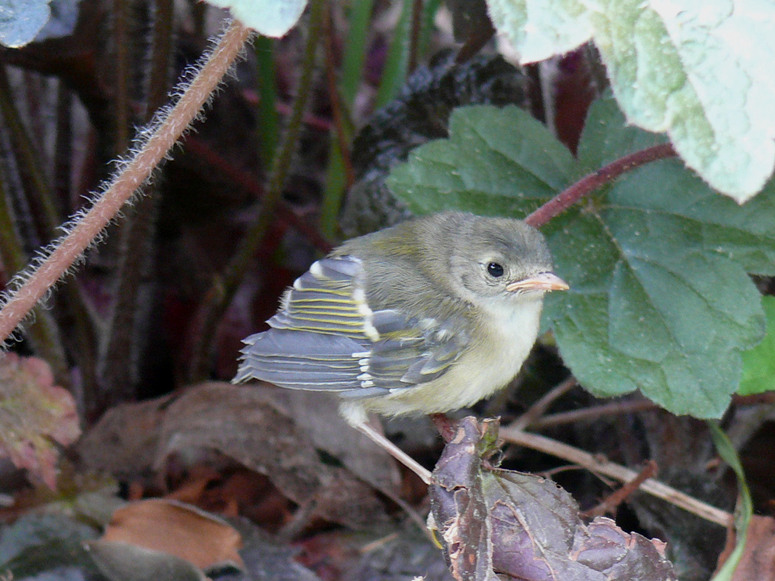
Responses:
[593,181]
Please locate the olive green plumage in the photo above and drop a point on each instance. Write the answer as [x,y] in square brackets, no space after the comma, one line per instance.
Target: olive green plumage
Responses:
[427,316]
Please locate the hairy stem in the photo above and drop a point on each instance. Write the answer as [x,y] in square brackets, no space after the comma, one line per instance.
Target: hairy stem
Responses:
[43,333]
[85,228]
[222,291]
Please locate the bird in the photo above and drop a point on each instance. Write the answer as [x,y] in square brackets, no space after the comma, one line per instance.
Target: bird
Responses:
[425,317]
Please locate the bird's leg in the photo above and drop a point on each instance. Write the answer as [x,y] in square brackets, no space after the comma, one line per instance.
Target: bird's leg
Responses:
[393,450]
[447,427]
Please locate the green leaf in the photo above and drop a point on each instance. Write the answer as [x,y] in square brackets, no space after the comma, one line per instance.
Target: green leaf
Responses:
[496,161]
[21,20]
[606,136]
[759,362]
[699,71]
[660,298]
[744,509]
[269,17]
[651,305]
[539,29]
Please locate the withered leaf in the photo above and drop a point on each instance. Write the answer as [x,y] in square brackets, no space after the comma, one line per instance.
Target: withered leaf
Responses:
[127,562]
[758,561]
[270,431]
[35,415]
[255,428]
[525,527]
[177,529]
[125,439]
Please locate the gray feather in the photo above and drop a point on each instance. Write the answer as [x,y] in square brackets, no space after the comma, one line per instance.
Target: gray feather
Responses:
[301,360]
[320,339]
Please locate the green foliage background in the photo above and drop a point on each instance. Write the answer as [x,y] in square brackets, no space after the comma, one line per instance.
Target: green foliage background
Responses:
[660,297]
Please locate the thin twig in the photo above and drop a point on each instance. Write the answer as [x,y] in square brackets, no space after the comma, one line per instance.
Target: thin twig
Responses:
[595,180]
[591,413]
[44,333]
[595,464]
[30,164]
[85,228]
[612,502]
[115,373]
[336,102]
[415,30]
[538,408]
[245,180]
[121,75]
[127,317]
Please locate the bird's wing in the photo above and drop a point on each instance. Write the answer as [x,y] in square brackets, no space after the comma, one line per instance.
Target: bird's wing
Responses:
[329,298]
[327,337]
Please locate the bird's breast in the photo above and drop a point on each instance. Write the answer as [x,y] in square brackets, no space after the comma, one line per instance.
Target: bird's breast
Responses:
[493,357]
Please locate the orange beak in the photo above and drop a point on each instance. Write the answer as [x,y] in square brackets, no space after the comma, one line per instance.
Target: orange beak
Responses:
[545,281]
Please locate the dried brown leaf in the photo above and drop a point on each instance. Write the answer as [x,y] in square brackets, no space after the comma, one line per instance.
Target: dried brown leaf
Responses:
[35,415]
[758,561]
[254,426]
[525,527]
[270,431]
[319,417]
[125,440]
[177,529]
[120,561]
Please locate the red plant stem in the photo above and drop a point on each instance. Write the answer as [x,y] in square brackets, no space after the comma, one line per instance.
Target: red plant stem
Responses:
[248,183]
[313,121]
[336,104]
[593,181]
[414,36]
[84,230]
[610,504]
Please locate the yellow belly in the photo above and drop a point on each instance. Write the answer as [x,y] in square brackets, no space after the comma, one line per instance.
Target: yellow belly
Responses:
[489,364]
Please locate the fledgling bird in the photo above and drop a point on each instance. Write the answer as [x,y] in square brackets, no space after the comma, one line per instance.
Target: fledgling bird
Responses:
[428,316]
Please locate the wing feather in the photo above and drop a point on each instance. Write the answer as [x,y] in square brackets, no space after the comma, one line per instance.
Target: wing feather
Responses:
[301,360]
[329,298]
[327,337]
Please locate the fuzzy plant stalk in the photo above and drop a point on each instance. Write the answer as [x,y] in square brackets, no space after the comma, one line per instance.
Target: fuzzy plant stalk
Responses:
[150,149]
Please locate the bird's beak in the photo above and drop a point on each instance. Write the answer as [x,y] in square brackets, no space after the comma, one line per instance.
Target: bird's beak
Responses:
[545,281]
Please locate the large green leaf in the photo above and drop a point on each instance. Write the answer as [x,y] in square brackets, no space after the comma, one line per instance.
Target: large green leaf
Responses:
[653,303]
[660,300]
[497,162]
[698,70]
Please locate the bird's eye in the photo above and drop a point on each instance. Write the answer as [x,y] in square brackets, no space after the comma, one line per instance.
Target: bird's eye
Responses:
[495,269]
